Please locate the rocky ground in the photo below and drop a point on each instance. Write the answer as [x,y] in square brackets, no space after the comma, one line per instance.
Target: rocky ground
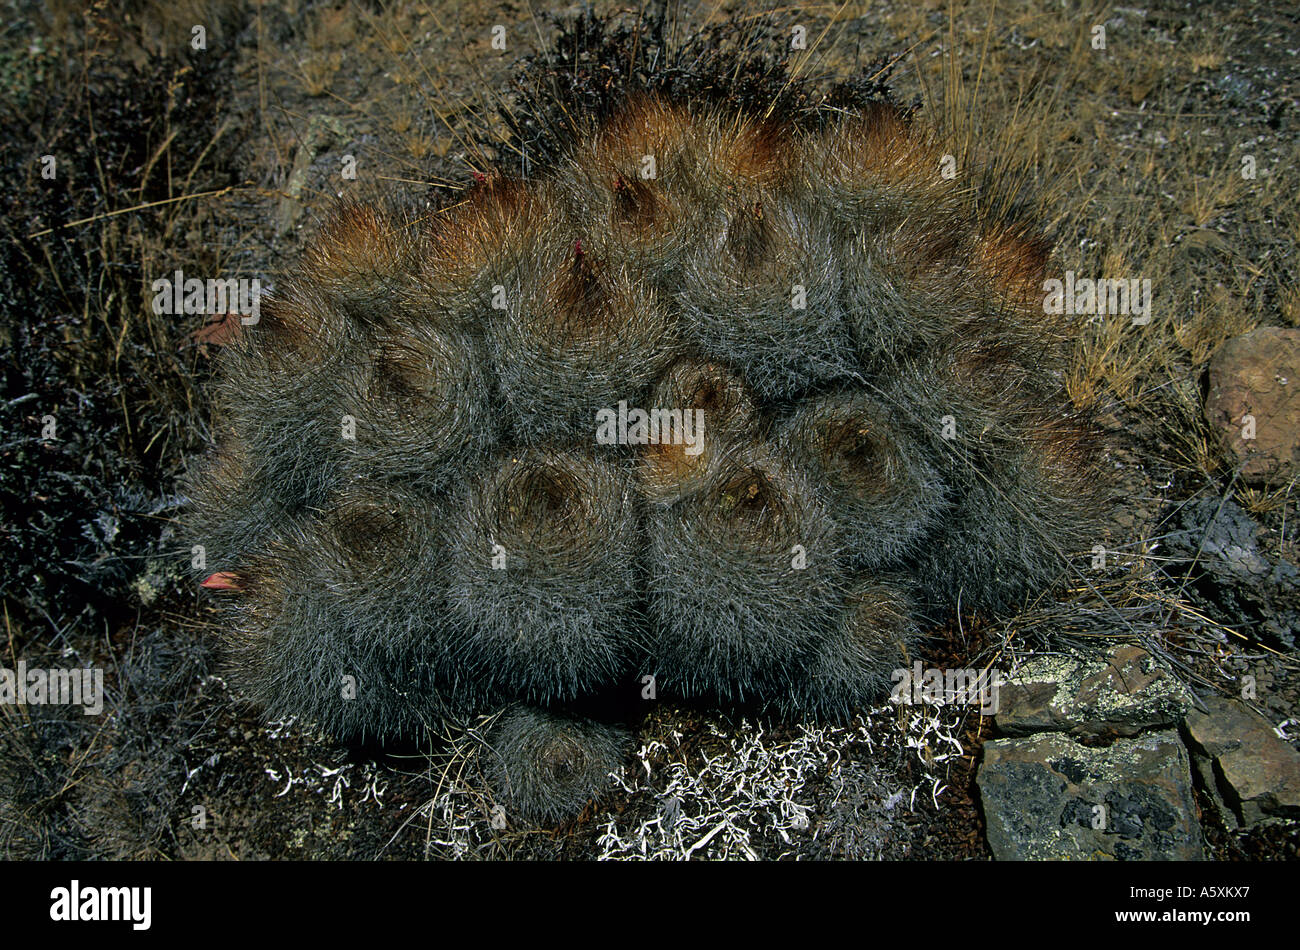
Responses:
[1150,708]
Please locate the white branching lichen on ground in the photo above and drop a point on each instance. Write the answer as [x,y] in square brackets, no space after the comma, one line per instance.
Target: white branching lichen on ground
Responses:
[759,795]
[368,780]
[716,790]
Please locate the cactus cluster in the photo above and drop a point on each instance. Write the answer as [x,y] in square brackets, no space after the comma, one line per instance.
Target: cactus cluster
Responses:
[410,509]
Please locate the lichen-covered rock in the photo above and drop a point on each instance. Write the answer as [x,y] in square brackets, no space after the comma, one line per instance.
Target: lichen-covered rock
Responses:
[1120,693]
[1048,797]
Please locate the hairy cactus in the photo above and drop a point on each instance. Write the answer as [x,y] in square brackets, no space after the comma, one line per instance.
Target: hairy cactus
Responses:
[546,765]
[715,395]
[545,615]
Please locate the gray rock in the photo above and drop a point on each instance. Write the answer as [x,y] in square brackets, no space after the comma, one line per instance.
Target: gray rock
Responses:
[1221,540]
[1048,797]
[1250,772]
[1118,694]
